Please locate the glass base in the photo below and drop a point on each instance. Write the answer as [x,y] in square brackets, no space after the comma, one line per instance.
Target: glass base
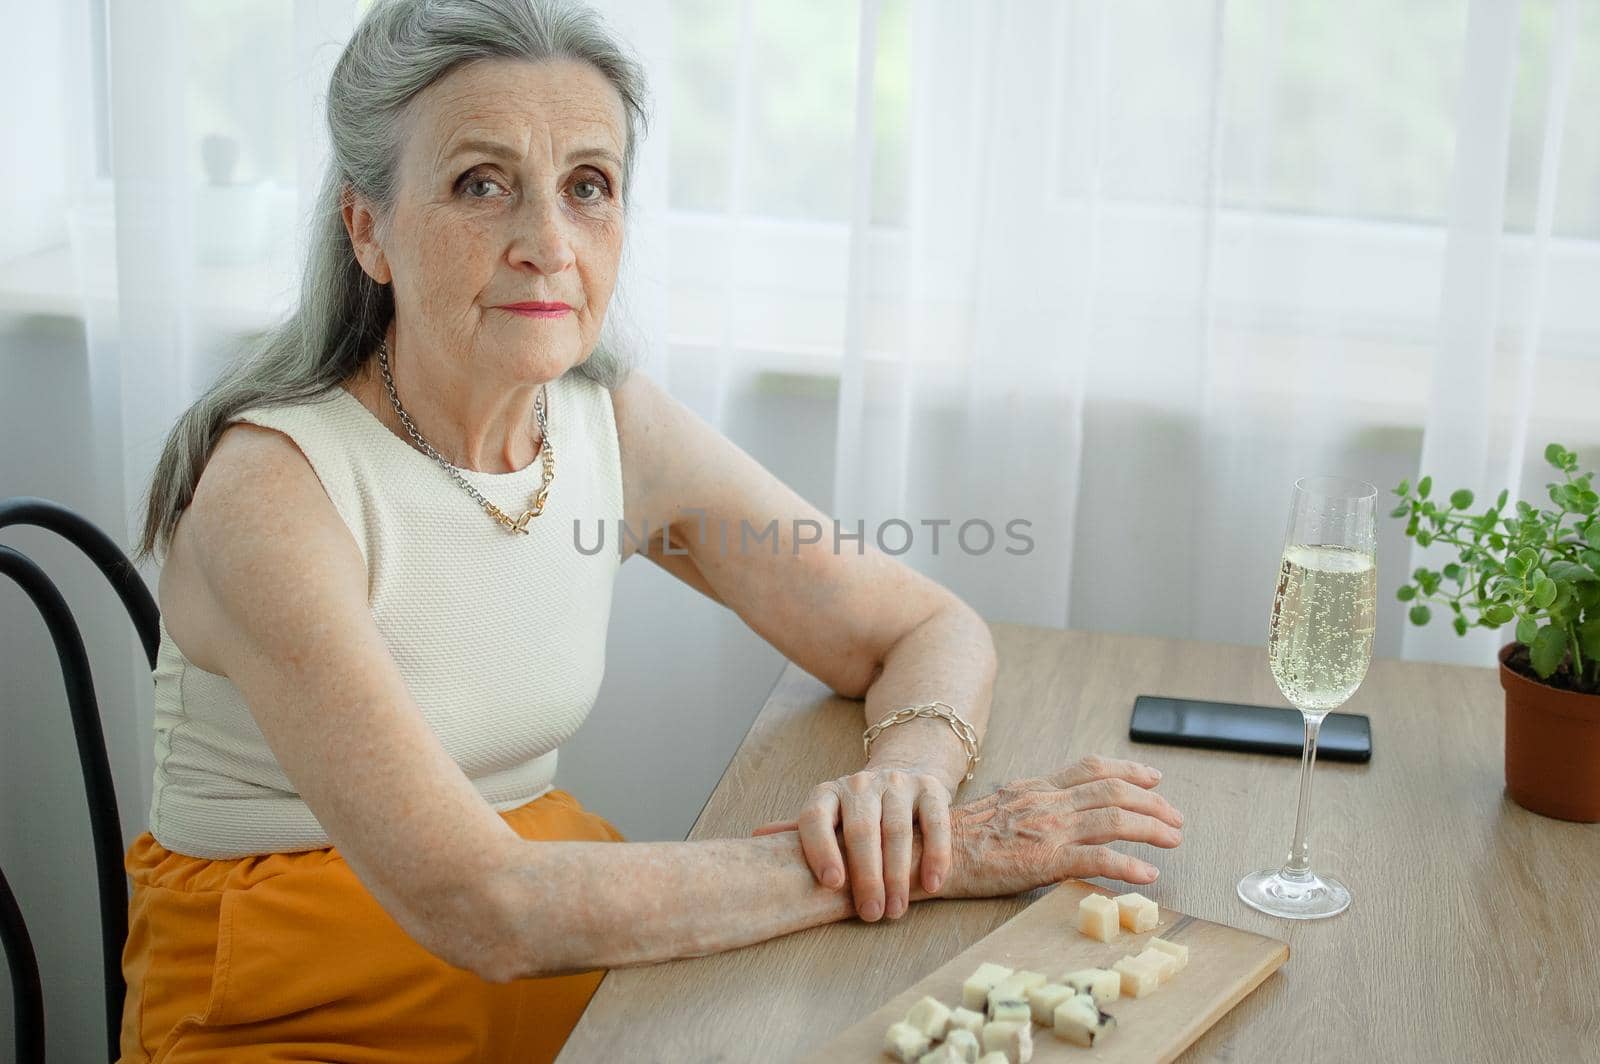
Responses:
[1310,898]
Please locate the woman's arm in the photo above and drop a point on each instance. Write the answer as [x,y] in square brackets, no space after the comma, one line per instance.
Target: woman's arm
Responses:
[573,906]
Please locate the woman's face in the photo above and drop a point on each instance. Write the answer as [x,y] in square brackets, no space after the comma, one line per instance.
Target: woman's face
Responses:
[508,191]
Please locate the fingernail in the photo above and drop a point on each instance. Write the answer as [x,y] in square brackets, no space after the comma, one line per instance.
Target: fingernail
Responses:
[935,883]
[833,879]
[1155,772]
[895,909]
[1151,871]
[871,911]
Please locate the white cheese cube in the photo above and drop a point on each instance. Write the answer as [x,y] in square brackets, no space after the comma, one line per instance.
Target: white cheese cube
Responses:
[1081,1021]
[1044,999]
[965,1042]
[1177,952]
[1097,917]
[975,991]
[964,1019]
[1102,984]
[1165,964]
[942,1054]
[1138,912]
[905,1043]
[930,1016]
[1015,1040]
[993,1058]
[1139,977]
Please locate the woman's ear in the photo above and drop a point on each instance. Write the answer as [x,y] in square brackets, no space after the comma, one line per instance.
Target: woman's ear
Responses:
[361,222]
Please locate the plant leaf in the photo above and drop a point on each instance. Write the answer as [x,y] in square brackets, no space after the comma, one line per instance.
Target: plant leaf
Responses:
[1500,503]
[1589,637]
[1424,486]
[1452,572]
[1544,593]
[1419,615]
[1555,454]
[1547,650]
[1527,629]
[1460,625]
[1405,486]
[1498,614]
[1572,571]
[1592,536]
[1461,499]
[1406,593]
[1400,511]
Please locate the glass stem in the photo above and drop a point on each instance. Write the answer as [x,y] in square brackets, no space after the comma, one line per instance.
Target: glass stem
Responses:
[1299,866]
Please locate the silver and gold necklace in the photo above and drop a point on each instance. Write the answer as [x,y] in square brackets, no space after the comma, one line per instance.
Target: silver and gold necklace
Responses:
[546,451]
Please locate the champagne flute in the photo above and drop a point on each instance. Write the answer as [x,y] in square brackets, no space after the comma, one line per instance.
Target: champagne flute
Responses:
[1319,649]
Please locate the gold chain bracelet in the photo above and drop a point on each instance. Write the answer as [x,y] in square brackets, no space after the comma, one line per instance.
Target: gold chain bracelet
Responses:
[963,730]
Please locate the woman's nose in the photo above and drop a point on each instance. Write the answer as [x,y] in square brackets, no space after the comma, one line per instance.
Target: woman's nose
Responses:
[542,241]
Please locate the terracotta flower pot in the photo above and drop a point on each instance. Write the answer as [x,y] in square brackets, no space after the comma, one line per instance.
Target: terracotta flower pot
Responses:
[1552,747]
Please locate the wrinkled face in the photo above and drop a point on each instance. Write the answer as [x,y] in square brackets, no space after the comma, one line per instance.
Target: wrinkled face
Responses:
[509,191]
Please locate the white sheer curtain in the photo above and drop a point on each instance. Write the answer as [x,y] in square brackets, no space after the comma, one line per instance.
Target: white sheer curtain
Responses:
[1125,270]
[1120,271]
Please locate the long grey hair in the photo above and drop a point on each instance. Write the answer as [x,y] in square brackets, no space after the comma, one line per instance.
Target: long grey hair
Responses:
[399,48]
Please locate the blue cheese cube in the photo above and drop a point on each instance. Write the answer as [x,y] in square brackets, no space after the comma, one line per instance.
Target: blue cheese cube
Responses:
[964,1043]
[1080,1021]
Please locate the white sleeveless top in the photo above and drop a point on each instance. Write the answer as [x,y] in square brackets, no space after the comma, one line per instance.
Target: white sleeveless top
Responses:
[500,637]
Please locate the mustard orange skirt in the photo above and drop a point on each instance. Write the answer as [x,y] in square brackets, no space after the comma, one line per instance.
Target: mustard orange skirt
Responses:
[287,957]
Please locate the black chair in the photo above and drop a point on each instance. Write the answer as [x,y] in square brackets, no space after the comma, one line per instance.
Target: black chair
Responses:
[106,825]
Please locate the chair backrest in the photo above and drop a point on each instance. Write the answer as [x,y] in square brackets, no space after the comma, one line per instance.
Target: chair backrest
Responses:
[105,824]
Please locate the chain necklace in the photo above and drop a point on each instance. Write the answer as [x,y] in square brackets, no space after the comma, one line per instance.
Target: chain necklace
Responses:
[515,525]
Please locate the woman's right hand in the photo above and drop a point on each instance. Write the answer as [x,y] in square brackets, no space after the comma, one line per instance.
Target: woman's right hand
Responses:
[1045,829]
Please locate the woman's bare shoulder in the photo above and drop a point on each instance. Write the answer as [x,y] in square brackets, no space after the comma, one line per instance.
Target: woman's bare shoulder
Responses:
[258,520]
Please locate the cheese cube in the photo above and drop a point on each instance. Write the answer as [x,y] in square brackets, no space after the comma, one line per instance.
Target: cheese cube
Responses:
[1044,999]
[964,1019]
[1102,984]
[1138,912]
[993,1058]
[1015,1040]
[963,1042]
[904,1042]
[1080,1020]
[943,1054]
[1008,1001]
[1172,949]
[1097,917]
[975,991]
[1165,964]
[1138,976]
[930,1016]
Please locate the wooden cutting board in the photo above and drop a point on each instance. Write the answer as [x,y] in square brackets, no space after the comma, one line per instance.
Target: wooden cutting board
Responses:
[1225,964]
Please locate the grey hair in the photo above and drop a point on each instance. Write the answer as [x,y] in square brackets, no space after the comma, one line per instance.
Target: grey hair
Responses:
[399,48]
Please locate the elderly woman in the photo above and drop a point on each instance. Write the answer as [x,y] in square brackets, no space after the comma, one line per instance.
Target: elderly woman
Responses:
[378,630]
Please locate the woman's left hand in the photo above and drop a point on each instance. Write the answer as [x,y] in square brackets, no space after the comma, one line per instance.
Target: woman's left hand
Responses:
[878,808]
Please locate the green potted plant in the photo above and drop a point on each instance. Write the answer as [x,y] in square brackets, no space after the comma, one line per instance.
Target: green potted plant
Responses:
[1539,570]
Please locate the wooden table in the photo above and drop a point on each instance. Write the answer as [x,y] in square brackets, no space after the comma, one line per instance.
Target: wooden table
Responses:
[1474,934]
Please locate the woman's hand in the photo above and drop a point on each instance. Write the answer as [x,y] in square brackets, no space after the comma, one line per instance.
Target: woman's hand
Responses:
[1042,830]
[879,809]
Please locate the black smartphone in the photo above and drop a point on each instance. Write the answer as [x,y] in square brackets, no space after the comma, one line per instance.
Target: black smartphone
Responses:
[1251,729]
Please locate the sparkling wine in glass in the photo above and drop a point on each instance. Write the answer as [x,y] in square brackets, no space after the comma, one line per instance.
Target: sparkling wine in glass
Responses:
[1319,647]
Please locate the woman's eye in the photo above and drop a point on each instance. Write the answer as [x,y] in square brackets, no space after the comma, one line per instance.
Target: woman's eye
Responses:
[476,186]
[589,191]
